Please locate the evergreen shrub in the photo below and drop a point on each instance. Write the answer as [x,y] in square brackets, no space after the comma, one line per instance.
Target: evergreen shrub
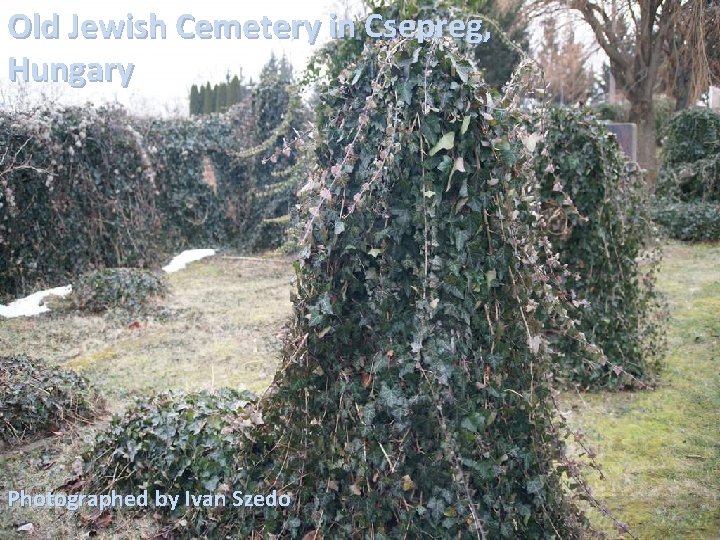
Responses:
[36,398]
[598,211]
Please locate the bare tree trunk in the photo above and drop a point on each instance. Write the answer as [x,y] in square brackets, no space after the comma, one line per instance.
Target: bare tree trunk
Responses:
[642,114]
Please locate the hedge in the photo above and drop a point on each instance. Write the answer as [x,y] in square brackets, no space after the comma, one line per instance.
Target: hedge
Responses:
[598,209]
[83,188]
[688,189]
[689,221]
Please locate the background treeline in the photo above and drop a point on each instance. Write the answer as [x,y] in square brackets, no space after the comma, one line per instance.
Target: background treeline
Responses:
[219,97]
[84,188]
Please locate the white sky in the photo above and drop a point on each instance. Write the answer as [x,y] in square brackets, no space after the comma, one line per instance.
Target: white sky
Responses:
[164,69]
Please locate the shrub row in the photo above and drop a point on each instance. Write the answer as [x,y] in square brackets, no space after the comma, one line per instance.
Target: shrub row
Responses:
[87,188]
[689,221]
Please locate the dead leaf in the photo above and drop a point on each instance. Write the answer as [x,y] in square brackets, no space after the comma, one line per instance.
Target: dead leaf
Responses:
[313,535]
[407,484]
[135,325]
[103,520]
[28,527]
[72,486]
[366,379]
[333,485]
[355,490]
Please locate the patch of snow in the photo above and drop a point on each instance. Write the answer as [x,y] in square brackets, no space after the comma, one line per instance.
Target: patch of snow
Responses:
[32,305]
[186,257]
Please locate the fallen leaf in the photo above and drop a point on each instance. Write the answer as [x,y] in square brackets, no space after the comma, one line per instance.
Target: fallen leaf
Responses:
[407,484]
[28,527]
[72,486]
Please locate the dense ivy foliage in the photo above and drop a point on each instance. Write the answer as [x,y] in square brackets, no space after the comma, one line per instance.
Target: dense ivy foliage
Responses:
[36,398]
[76,190]
[126,288]
[599,216]
[691,158]
[689,221]
[174,443]
[86,188]
[415,396]
[414,399]
[689,181]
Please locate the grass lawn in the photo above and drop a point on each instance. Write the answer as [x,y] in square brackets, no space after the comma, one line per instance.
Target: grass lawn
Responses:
[660,450]
[220,326]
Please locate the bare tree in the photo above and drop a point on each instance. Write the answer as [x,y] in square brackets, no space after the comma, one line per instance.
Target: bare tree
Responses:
[633,34]
[564,61]
[692,53]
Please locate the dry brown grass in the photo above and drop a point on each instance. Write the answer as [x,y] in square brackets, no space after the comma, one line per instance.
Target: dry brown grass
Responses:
[219,326]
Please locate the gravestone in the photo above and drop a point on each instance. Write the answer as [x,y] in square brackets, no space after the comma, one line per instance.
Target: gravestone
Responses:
[626,134]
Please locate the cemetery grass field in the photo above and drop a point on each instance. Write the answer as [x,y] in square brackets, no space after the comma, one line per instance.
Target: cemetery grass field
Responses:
[222,325]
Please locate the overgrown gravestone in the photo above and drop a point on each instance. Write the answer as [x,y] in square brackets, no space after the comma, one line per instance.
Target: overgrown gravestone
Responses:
[414,399]
[598,211]
[626,134]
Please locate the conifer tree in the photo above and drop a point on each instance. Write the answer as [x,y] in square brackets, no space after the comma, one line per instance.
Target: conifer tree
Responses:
[195,103]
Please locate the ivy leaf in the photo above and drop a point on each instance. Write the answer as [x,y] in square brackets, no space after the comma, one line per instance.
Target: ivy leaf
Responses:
[446,142]
[535,485]
[465,125]
[374,252]
[339,227]
[463,69]
[458,165]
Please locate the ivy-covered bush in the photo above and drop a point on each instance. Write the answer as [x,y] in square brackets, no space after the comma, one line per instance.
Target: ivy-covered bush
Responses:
[87,188]
[689,221]
[76,192]
[414,397]
[126,288]
[36,398]
[688,189]
[599,215]
[173,443]
[693,135]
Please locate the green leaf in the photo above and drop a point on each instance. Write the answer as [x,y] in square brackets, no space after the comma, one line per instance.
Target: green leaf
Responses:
[465,125]
[446,142]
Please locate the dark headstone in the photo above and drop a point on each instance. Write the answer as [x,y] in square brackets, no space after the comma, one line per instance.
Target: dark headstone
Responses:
[626,134]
